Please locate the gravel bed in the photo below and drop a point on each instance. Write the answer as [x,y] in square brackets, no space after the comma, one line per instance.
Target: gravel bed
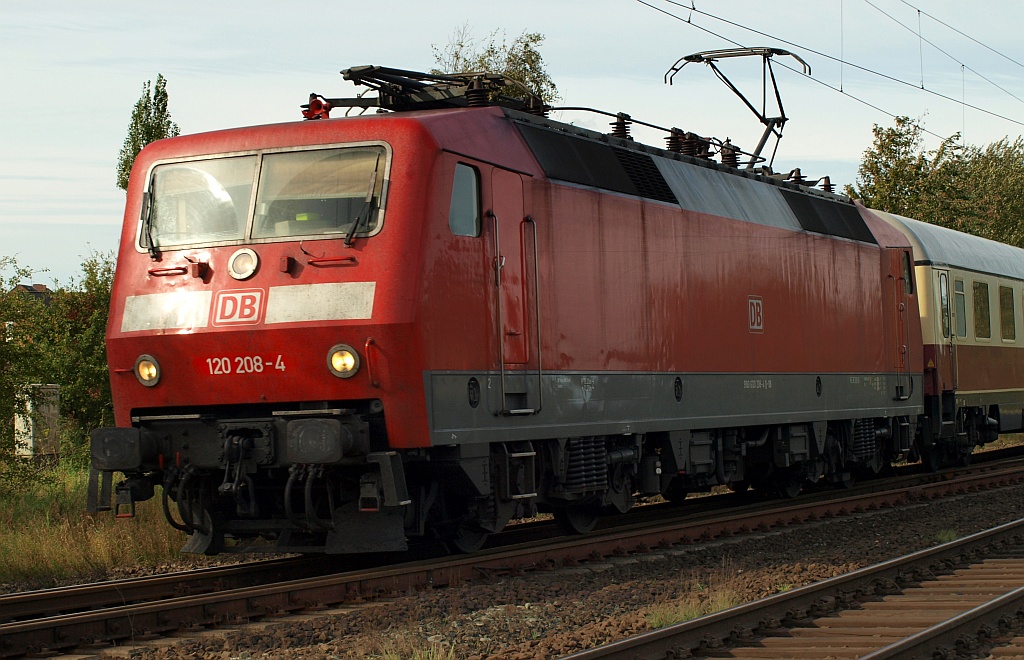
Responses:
[546,614]
[186,563]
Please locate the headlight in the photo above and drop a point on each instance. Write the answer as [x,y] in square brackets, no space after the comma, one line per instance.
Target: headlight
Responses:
[343,361]
[147,370]
[242,264]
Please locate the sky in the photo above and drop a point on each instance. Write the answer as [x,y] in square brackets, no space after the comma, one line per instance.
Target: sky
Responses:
[71,71]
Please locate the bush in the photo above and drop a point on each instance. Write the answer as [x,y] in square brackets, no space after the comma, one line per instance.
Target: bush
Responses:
[57,337]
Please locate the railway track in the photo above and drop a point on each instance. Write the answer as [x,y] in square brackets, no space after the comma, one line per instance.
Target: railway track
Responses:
[113,620]
[956,600]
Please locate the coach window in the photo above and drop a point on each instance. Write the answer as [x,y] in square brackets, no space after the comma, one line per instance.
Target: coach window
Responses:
[908,277]
[464,213]
[1007,325]
[944,302]
[960,300]
[982,314]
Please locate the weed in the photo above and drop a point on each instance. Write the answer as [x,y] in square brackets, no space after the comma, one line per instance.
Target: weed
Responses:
[411,647]
[1006,440]
[48,537]
[946,535]
[692,606]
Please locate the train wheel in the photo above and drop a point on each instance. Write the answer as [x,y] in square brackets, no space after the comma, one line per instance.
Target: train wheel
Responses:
[789,485]
[467,538]
[675,493]
[577,519]
[739,486]
[931,459]
[208,537]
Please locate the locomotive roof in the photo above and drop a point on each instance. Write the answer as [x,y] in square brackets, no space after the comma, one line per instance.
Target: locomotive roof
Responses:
[580,156]
[940,246]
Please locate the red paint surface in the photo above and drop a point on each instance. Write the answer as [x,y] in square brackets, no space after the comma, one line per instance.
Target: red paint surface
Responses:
[624,285]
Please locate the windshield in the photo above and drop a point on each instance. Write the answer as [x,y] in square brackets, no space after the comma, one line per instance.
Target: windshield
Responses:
[319,192]
[323,192]
[200,201]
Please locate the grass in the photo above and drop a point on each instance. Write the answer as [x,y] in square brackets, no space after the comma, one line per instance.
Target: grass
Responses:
[412,647]
[703,599]
[47,538]
[1006,440]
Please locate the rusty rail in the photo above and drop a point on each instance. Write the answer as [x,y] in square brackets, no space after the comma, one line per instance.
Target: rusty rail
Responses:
[894,609]
[139,621]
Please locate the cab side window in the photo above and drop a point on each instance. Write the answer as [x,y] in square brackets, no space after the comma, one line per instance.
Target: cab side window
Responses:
[464,213]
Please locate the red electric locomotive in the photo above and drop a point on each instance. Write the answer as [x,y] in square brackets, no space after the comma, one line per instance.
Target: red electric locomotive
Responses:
[337,335]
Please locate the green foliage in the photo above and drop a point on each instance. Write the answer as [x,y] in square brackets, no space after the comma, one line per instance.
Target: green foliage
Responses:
[17,368]
[74,341]
[58,339]
[694,605]
[979,190]
[995,179]
[48,537]
[520,60]
[150,122]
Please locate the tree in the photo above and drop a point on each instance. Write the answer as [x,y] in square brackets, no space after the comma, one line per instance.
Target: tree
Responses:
[55,339]
[150,121]
[978,190]
[74,343]
[19,365]
[897,175]
[994,175]
[520,60]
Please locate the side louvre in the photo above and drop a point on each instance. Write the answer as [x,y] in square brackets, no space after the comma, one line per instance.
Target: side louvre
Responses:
[578,160]
[823,216]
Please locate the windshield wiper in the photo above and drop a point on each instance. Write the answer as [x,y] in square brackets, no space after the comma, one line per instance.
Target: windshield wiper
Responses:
[351,236]
[147,224]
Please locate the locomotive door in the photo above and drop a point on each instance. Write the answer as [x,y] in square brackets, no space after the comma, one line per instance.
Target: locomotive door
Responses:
[514,232]
[901,286]
[945,353]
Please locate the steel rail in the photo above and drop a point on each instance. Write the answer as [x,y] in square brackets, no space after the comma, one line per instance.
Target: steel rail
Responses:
[1000,614]
[738,626]
[119,624]
[62,600]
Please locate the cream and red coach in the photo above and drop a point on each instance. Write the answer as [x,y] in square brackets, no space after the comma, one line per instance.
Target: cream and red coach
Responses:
[341,334]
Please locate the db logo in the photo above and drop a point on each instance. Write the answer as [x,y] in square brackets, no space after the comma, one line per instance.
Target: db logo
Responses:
[755,314]
[240,307]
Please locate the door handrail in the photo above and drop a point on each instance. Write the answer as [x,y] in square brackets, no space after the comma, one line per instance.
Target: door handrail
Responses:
[536,315]
[499,264]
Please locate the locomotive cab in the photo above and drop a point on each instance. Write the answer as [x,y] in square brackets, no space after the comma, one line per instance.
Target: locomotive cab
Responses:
[243,341]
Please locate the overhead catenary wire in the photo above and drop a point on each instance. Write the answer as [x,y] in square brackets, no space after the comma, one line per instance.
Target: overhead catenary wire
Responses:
[693,9]
[842,44]
[689,21]
[936,47]
[920,47]
[963,34]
